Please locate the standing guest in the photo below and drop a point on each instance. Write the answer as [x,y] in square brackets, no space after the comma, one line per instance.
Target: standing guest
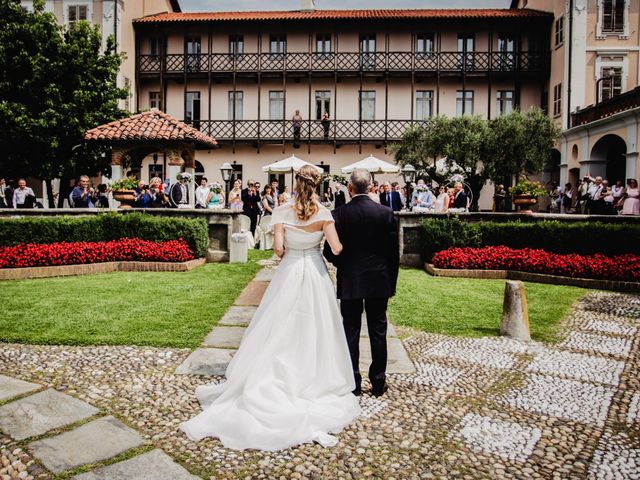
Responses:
[617,190]
[202,193]
[250,204]
[102,196]
[326,124]
[499,199]
[83,195]
[631,198]
[583,195]
[275,191]
[23,196]
[395,187]
[422,197]
[595,204]
[11,187]
[390,198]
[607,197]
[179,192]
[159,199]
[460,199]
[143,196]
[297,125]
[340,197]
[4,201]
[286,194]
[268,200]
[258,185]
[235,195]
[373,192]
[567,198]
[281,199]
[441,205]
[452,195]
[215,197]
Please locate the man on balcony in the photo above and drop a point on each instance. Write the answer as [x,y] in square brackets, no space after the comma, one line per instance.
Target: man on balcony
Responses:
[297,125]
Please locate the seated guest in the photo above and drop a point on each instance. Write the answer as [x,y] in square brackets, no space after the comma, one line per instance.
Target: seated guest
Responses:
[422,198]
[460,199]
[83,196]
[390,198]
[23,196]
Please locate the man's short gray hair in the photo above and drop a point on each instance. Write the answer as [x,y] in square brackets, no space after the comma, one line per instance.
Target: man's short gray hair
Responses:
[360,180]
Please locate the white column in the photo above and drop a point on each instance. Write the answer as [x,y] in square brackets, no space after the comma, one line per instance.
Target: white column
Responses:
[632,166]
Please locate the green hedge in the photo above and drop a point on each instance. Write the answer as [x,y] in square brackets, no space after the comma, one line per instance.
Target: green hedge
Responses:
[103,227]
[550,235]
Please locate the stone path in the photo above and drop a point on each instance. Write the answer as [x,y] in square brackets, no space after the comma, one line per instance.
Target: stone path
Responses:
[223,341]
[42,415]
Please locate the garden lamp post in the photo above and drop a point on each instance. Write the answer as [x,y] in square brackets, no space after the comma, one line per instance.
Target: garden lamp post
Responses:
[409,175]
[226,170]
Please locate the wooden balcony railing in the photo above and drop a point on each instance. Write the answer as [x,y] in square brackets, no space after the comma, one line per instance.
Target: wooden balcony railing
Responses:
[281,131]
[345,62]
[606,108]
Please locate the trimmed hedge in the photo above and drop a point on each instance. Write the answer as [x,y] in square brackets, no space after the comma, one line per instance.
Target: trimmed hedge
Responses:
[104,227]
[550,235]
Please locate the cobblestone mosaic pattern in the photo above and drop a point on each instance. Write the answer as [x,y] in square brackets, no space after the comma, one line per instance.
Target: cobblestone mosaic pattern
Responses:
[474,408]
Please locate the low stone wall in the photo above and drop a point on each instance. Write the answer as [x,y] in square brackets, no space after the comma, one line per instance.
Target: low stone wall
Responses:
[410,226]
[95,268]
[615,285]
[222,222]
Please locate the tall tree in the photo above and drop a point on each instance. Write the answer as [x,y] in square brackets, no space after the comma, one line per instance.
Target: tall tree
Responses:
[54,85]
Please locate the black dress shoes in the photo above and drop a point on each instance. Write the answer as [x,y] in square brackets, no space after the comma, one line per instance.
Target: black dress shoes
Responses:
[378,390]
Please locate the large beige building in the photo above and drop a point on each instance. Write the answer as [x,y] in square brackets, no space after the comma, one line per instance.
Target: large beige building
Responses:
[240,77]
[592,88]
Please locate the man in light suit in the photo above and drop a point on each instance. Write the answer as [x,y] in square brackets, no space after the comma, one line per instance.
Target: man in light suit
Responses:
[390,198]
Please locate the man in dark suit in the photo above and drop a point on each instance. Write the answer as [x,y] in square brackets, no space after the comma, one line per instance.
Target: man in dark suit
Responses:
[340,198]
[460,198]
[250,204]
[367,274]
[390,199]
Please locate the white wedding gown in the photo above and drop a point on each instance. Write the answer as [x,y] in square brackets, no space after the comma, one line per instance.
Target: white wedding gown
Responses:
[291,380]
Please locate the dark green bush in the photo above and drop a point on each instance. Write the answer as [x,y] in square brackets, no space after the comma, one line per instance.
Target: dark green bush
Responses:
[550,235]
[103,227]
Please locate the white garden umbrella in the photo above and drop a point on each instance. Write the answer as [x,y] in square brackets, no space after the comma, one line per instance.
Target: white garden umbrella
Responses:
[373,165]
[291,164]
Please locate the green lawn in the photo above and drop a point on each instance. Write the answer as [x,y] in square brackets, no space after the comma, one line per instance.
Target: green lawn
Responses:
[473,308]
[163,309]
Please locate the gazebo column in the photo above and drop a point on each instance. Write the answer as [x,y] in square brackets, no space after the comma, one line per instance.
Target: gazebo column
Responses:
[189,156]
[174,165]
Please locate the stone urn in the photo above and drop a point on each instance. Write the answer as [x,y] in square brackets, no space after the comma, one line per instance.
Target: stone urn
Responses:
[126,197]
[524,202]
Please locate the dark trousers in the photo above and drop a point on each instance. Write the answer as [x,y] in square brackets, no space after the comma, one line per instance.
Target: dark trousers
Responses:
[376,309]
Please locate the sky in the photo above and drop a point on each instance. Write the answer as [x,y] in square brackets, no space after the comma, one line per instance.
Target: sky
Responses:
[234,5]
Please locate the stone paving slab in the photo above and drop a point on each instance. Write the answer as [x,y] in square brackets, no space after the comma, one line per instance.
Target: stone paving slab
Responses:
[252,293]
[39,413]
[224,337]
[398,360]
[12,387]
[265,275]
[238,316]
[155,465]
[93,442]
[391,330]
[206,361]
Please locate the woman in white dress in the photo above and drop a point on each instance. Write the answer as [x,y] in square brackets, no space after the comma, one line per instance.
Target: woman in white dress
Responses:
[291,380]
[441,204]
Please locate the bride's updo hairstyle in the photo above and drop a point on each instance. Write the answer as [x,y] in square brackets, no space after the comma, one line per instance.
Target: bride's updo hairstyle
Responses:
[307,179]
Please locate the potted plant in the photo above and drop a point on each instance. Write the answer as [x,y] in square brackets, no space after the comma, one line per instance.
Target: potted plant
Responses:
[525,193]
[124,191]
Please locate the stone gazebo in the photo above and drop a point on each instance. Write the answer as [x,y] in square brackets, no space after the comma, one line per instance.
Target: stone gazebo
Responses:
[135,137]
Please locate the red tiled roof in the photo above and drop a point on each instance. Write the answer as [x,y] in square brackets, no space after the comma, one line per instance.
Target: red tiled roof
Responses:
[153,125]
[386,14]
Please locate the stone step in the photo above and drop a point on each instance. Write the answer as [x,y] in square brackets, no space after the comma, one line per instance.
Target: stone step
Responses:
[206,361]
[224,337]
[42,412]
[12,387]
[265,275]
[252,293]
[154,465]
[95,441]
[238,316]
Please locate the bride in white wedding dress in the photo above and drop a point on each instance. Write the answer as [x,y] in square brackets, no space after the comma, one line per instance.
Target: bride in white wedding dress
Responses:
[291,380]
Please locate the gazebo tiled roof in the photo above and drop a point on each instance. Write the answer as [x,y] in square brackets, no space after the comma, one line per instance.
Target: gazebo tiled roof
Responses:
[151,126]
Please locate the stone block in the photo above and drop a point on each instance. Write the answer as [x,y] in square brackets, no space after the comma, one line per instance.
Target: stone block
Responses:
[206,361]
[238,316]
[12,387]
[515,313]
[224,337]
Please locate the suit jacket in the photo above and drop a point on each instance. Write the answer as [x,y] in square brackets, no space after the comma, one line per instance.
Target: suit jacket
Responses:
[340,199]
[460,201]
[250,203]
[176,193]
[368,264]
[396,202]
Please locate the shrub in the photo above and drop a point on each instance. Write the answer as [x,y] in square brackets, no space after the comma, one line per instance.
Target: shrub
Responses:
[550,235]
[622,267]
[105,227]
[76,253]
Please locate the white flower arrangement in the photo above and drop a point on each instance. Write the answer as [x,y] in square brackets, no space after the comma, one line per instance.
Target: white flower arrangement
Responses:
[187,177]
[456,177]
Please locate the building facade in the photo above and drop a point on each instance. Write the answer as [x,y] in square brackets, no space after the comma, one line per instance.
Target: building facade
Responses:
[240,77]
[592,90]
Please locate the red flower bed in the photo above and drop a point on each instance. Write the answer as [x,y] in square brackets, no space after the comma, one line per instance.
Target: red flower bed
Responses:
[74,253]
[623,267]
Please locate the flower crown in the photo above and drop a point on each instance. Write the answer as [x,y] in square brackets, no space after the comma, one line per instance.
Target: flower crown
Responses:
[312,178]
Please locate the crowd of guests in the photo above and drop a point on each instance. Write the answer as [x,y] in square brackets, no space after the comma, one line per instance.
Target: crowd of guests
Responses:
[596,196]
[16,194]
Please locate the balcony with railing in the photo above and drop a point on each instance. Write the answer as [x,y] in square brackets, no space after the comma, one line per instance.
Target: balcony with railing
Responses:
[311,131]
[444,62]
[607,108]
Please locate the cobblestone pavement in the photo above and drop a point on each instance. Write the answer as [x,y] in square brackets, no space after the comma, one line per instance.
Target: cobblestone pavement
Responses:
[475,408]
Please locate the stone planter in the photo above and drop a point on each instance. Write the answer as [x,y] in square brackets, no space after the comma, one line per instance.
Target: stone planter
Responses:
[126,197]
[524,202]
